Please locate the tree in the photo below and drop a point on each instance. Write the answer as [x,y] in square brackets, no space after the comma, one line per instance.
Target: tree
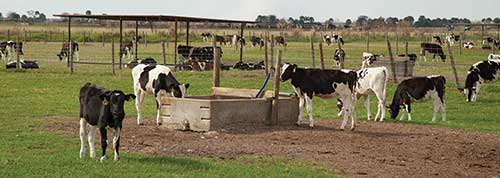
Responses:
[496,20]
[348,23]
[88,12]
[24,18]
[409,20]
[362,20]
[1,16]
[42,17]
[392,21]
[13,16]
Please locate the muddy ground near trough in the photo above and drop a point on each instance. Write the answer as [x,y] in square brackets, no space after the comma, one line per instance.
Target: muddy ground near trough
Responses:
[372,150]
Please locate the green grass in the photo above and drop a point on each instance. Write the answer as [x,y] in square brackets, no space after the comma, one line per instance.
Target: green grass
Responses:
[28,97]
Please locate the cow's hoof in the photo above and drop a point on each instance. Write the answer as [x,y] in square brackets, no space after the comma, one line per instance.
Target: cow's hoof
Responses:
[159,124]
[352,129]
[140,124]
[117,158]
[311,127]
[103,158]
[341,129]
[82,154]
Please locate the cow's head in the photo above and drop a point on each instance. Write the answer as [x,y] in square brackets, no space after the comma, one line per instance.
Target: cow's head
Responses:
[394,110]
[179,91]
[470,82]
[443,57]
[115,100]
[287,71]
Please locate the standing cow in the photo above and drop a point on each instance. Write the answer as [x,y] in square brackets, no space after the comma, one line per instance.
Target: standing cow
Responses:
[483,71]
[126,50]
[432,48]
[101,108]
[322,83]
[155,80]
[419,88]
[64,53]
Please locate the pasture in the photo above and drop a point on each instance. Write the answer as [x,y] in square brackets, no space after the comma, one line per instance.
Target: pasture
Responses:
[39,115]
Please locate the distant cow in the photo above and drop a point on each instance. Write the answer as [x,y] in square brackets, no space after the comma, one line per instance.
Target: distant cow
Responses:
[3,50]
[487,40]
[64,53]
[24,64]
[324,84]
[101,108]
[237,40]
[127,50]
[433,49]
[249,66]
[327,39]
[483,71]
[452,38]
[437,39]
[338,39]
[338,56]
[369,59]
[371,81]
[155,80]
[279,40]
[206,36]
[257,41]
[468,45]
[419,88]
[13,49]
[220,39]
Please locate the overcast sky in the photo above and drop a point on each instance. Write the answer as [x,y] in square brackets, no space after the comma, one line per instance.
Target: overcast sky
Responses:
[249,9]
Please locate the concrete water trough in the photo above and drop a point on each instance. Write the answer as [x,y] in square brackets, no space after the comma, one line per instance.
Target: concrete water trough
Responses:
[228,108]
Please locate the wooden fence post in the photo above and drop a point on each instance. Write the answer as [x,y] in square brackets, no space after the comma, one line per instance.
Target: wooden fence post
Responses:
[391,57]
[342,59]
[103,39]
[163,55]
[272,49]
[113,54]
[312,50]
[8,34]
[266,59]
[452,63]
[216,68]
[367,41]
[276,97]
[321,56]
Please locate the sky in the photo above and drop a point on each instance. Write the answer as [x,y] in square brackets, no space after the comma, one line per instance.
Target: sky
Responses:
[321,10]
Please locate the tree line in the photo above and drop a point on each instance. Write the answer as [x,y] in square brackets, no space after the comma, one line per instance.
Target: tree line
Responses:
[271,21]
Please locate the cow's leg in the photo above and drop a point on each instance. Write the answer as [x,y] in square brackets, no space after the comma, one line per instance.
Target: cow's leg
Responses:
[380,107]
[367,106]
[309,109]
[346,111]
[408,109]
[476,92]
[83,124]
[158,107]
[402,112]
[77,55]
[301,105]
[91,137]
[443,110]
[138,104]
[104,142]
[353,114]
[116,143]
[437,106]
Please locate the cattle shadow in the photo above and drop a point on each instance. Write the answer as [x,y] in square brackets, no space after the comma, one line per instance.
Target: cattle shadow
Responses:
[176,161]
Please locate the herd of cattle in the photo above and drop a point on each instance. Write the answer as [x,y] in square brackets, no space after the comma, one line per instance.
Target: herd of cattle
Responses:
[102,108]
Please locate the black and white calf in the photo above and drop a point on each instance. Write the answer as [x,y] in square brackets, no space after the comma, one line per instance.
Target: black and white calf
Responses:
[419,88]
[64,53]
[338,56]
[437,39]
[433,49]
[327,39]
[279,40]
[371,81]
[13,49]
[257,41]
[101,108]
[337,39]
[483,71]
[206,37]
[452,38]
[3,50]
[322,83]
[126,50]
[369,59]
[220,39]
[155,80]
[468,45]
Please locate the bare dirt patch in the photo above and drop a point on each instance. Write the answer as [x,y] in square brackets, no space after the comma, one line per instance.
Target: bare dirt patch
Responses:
[373,150]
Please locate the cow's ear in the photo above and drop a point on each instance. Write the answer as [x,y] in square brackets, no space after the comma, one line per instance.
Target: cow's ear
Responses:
[129,97]
[186,85]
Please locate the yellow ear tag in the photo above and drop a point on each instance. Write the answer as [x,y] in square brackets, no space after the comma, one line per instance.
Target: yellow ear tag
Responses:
[294,70]
[105,102]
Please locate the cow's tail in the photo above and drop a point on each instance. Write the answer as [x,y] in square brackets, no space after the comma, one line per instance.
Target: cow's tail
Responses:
[386,80]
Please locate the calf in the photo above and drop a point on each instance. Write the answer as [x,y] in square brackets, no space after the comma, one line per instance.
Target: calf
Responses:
[452,38]
[338,39]
[155,80]
[338,56]
[468,45]
[483,71]
[327,39]
[322,83]
[64,53]
[3,50]
[369,59]
[279,40]
[487,40]
[419,88]
[257,41]
[24,64]
[371,81]
[101,108]
[220,39]
[126,50]
[13,49]
[433,49]
[249,66]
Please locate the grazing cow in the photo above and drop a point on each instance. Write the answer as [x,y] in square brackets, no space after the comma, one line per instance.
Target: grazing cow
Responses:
[327,39]
[64,53]
[371,81]
[279,40]
[237,40]
[257,41]
[483,71]
[338,56]
[338,39]
[322,83]
[437,39]
[101,108]
[433,49]
[127,50]
[206,36]
[452,38]
[469,45]
[155,80]
[419,88]
[197,54]
[220,39]
[487,40]
[369,59]
[25,64]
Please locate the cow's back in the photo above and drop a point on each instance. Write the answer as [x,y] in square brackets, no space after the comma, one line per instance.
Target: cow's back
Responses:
[143,76]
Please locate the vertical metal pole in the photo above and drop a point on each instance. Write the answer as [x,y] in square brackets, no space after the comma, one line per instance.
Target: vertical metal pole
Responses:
[241,41]
[187,33]
[321,56]
[70,56]
[266,59]
[136,38]
[272,49]
[103,39]
[175,45]
[367,41]
[397,42]
[163,55]
[8,34]
[121,42]
[113,54]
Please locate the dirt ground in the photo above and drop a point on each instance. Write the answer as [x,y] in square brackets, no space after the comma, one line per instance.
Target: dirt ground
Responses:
[373,150]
